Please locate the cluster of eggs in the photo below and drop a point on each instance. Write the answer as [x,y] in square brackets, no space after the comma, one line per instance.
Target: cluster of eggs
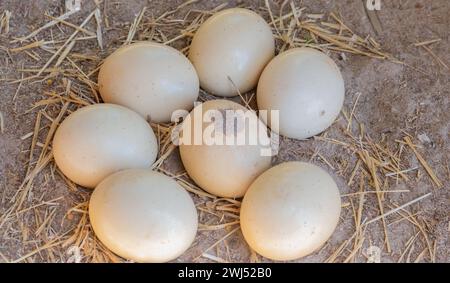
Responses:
[288,211]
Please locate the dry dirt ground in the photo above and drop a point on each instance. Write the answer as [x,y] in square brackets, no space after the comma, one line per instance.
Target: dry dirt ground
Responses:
[395,100]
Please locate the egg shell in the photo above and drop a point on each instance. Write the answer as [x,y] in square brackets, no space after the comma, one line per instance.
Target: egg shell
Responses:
[143,216]
[150,78]
[98,140]
[307,88]
[232,44]
[224,170]
[290,211]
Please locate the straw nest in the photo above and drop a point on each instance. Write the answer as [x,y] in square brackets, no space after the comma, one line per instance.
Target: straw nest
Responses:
[368,166]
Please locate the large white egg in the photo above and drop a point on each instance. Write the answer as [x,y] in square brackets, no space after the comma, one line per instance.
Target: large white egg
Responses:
[98,140]
[225,169]
[307,88]
[143,216]
[150,78]
[233,44]
[290,211]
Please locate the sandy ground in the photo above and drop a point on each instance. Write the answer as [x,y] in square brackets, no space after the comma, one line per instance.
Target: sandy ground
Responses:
[394,99]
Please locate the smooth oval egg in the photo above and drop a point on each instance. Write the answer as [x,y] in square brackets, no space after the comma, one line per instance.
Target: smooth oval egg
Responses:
[221,168]
[143,216]
[98,140]
[234,44]
[290,211]
[307,88]
[150,78]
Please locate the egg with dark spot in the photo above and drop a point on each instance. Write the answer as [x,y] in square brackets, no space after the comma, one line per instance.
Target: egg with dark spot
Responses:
[224,170]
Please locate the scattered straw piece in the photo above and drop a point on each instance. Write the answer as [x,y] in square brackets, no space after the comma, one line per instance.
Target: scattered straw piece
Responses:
[427,42]
[421,255]
[369,161]
[38,250]
[2,124]
[408,245]
[4,257]
[51,202]
[271,17]
[69,40]
[80,29]
[326,161]
[203,227]
[435,57]
[412,219]
[52,130]
[4,22]
[239,93]
[46,26]
[63,55]
[374,192]
[214,258]
[397,209]
[98,20]
[221,239]
[401,171]
[37,126]
[355,169]
[134,26]
[424,163]
[332,258]
[353,111]
[34,44]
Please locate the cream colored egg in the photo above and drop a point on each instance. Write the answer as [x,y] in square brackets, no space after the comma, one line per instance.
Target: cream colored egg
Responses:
[150,78]
[223,156]
[290,211]
[98,140]
[233,44]
[143,216]
[307,88]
